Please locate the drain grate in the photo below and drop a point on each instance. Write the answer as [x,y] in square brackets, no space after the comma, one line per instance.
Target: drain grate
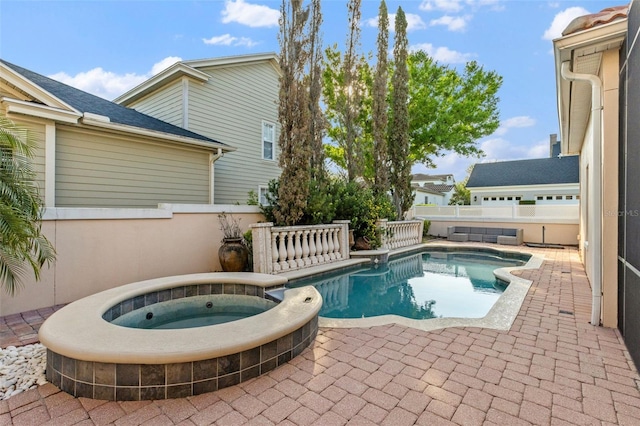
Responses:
[562,311]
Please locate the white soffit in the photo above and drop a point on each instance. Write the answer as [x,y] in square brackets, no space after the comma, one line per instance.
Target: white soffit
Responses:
[580,107]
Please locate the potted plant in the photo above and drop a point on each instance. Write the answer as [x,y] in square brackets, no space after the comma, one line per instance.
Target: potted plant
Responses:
[233,254]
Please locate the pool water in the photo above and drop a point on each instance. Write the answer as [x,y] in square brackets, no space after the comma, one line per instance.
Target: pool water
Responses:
[433,284]
[196,311]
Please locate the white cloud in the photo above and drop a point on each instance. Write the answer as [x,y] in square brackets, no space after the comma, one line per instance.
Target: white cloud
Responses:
[453,23]
[443,54]
[442,5]
[498,149]
[164,64]
[454,6]
[229,40]
[561,20]
[107,84]
[514,122]
[249,14]
[539,150]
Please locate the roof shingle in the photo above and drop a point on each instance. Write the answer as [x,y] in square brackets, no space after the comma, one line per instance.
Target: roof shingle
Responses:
[539,171]
[86,102]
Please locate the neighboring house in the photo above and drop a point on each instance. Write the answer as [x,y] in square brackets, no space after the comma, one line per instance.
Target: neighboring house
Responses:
[545,181]
[597,63]
[233,99]
[432,189]
[91,152]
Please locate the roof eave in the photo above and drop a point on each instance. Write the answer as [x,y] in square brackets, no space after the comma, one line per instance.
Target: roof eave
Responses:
[16,106]
[270,57]
[89,120]
[177,70]
[609,34]
[28,86]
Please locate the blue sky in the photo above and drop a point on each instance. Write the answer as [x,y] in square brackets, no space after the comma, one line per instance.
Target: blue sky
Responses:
[108,47]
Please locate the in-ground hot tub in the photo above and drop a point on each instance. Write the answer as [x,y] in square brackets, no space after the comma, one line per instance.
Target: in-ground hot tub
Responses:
[89,355]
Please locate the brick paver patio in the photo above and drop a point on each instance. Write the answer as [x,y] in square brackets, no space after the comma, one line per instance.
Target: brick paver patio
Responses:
[551,368]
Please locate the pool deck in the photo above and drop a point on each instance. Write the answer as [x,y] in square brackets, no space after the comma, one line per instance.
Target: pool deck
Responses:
[551,368]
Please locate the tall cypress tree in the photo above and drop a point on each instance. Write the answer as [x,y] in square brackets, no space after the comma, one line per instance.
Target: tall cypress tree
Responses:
[317,122]
[380,104]
[293,114]
[400,176]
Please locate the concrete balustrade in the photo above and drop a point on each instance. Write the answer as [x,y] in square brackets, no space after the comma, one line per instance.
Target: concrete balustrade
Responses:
[398,234]
[288,248]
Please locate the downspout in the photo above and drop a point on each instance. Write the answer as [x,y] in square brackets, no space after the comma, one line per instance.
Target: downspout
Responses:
[596,127]
[212,159]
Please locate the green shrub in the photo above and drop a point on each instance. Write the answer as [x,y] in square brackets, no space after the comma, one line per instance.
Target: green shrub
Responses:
[338,200]
[526,202]
[425,229]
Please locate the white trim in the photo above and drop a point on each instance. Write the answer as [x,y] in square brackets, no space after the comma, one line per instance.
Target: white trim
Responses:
[232,60]
[175,71]
[15,106]
[50,165]
[260,188]
[33,89]
[185,102]
[273,142]
[156,135]
[629,265]
[164,211]
[521,188]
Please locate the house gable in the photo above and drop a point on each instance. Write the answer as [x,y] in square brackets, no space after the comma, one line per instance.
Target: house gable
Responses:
[234,102]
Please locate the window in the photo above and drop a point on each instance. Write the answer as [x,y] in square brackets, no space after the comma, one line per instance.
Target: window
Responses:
[485,198]
[268,140]
[426,199]
[501,198]
[577,197]
[518,198]
[549,197]
[509,198]
[569,197]
[262,191]
[558,197]
[493,198]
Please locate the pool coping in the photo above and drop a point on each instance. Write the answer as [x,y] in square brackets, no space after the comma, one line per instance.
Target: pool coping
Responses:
[499,317]
[79,330]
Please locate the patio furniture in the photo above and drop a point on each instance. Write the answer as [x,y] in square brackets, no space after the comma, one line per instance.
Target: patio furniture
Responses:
[506,236]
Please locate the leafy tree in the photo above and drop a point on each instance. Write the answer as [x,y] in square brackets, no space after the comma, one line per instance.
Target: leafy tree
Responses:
[346,85]
[449,110]
[22,244]
[380,105]
[400,177]
[461,195]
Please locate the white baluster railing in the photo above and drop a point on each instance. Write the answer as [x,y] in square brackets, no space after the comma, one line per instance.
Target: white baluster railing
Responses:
[400,233]
[288,248]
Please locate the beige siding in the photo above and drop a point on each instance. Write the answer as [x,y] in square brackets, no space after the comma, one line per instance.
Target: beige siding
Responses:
[97,170]
[230,108]
[164,104]
[36,130]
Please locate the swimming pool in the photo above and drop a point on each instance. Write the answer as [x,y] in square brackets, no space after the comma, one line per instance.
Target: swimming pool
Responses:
[434,288]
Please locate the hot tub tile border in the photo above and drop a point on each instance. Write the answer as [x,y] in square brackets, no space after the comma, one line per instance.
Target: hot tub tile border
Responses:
[128,385]
[142,301]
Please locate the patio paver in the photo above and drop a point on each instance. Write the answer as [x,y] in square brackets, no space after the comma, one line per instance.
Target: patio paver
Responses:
[551,368]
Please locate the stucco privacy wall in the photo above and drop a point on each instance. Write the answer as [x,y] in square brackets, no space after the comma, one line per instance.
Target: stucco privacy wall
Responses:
[555,233]
[97,254]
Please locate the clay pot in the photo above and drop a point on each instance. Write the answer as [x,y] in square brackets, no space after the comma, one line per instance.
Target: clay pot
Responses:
[233,255]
